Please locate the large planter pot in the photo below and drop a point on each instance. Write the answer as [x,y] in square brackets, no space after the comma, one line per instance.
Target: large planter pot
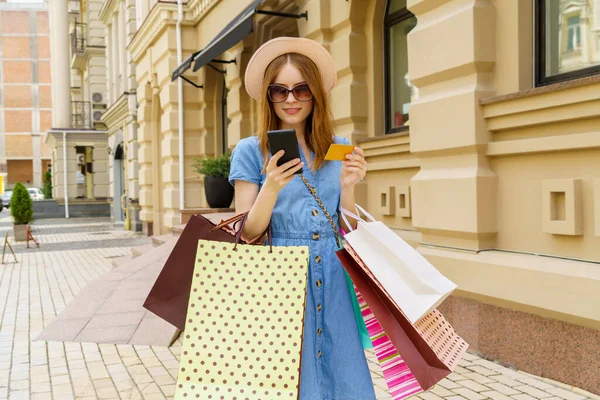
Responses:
[218,191]
[20,232]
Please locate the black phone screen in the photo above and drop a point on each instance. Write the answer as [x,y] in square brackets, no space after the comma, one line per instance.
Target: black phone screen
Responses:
[284,140]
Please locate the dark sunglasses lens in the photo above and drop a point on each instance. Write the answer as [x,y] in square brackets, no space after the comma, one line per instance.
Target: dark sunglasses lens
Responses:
[302,93]
[277,93]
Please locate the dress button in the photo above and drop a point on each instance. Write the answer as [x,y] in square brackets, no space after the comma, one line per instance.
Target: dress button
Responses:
[319,354]
[315,213]
[316,236]
[318,283]
[318,259]
[319,307]
[319,331]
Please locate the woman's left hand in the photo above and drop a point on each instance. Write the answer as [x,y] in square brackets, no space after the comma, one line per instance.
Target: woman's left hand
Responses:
[354,168]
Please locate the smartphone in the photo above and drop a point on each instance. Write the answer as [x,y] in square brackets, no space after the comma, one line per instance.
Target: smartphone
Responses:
[286,140]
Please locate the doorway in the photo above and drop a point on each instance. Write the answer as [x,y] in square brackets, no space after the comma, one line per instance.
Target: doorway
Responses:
[119,184]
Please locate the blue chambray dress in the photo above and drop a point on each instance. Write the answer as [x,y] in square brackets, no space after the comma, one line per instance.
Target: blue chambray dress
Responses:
[333,361]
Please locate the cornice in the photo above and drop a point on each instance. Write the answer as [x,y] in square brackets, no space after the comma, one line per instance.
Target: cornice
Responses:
[117,112]
[106,11]
[161,16]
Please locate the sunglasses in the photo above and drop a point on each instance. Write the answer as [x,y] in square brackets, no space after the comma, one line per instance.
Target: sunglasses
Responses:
[279,93]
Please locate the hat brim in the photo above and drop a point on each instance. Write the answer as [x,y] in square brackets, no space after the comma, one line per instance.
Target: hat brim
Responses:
[255,71]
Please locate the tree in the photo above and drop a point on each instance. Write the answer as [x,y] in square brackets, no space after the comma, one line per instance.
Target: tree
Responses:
[47,190]
[21,205]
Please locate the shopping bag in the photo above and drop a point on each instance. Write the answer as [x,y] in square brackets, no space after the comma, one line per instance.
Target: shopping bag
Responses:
[400,381]
[243,333]
[414,284]
[170,293]
[431,349]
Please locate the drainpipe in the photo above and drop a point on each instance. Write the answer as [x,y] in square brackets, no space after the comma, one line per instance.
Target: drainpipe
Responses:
[180,108]
[66,191]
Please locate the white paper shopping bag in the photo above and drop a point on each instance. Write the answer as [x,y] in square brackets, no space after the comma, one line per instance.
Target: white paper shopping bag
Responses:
[412,282]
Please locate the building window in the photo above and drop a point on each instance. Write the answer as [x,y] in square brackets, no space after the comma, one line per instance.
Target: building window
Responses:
[567,40]
[398,90]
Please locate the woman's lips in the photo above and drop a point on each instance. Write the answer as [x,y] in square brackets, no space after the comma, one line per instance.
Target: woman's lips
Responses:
[292,110]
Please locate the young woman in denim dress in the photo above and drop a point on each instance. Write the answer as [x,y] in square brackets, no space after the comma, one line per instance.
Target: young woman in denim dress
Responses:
[290,78]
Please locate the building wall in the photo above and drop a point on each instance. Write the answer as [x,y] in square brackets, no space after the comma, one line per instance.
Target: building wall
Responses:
[496,183]
[25,99]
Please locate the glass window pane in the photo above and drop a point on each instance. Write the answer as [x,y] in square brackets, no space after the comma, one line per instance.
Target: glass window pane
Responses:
[572,35]
[401,90]
[396,5]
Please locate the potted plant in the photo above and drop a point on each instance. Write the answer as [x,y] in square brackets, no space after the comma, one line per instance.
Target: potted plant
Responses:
[21,209]
[218,191]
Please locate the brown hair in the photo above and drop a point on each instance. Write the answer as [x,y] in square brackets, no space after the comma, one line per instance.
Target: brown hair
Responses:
[319,129]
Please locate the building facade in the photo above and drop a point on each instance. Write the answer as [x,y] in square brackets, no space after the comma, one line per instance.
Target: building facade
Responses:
[25,94]
[77,135]
[121,23]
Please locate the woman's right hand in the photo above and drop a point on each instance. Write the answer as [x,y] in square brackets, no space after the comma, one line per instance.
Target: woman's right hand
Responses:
[279,176]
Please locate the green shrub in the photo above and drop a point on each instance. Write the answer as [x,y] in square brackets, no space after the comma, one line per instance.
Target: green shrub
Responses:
[21,205]
[216,167]
[47,190]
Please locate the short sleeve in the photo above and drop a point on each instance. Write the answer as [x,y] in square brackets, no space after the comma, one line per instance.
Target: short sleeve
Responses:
[246,162]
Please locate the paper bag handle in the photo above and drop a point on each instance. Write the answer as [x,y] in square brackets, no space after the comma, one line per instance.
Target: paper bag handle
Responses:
[344,213]
[243,217]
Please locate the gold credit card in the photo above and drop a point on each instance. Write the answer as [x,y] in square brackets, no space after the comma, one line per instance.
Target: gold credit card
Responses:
[339,151]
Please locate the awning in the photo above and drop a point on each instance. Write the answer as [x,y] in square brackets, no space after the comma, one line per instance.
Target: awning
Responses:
[235,31]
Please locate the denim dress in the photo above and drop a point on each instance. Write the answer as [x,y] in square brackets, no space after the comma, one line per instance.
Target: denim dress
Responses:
[333,361]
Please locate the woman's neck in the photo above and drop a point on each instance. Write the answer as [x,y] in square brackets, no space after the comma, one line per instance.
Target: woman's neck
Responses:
[299,128]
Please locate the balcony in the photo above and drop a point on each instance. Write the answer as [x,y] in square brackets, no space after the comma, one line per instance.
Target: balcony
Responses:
[81,115]
[78,44]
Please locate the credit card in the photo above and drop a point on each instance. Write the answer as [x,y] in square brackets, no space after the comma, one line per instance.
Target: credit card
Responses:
[339,151]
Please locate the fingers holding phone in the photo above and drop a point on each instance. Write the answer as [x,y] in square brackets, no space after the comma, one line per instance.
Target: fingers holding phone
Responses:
[279,176]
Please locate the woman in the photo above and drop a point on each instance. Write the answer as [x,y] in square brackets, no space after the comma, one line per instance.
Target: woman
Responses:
[290,78]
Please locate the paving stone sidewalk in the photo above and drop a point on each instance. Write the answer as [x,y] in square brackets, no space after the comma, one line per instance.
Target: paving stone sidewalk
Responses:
[72,253]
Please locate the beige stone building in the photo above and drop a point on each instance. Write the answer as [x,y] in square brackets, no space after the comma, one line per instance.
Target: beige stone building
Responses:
[78,136]
[119,19]
[480,121]
[25,95]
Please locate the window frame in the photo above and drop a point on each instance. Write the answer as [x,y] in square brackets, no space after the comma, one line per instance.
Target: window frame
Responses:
[388,22]
[540,53]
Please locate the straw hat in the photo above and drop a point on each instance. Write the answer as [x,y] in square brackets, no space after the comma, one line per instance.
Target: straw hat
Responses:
[255,72]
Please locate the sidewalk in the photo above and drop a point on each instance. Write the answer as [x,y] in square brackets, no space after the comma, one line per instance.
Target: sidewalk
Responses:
[72,253]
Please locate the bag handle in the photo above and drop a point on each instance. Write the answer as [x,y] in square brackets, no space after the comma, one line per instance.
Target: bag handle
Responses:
[313,191]
[243,217]
[344,213]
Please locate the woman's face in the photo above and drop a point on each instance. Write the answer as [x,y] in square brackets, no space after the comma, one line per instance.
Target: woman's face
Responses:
[291,111]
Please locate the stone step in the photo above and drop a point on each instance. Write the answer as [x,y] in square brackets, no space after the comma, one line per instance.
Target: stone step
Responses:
[138,251]
[162,239]
[177,230]
[120,261]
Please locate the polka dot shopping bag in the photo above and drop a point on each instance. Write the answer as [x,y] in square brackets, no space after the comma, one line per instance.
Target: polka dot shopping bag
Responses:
[243,333]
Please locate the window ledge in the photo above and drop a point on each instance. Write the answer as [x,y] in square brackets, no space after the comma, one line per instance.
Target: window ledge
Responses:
[541,90]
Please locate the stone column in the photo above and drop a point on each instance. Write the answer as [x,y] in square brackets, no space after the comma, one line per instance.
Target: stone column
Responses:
[454,195]
[109,73]
[115,59]
[60,64]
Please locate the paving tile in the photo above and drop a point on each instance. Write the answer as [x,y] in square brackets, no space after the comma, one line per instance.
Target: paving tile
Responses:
[474,386]
[565,394]
[506,390]
[41,396]
[441,391]
[534,392]
[492,394]
[448,384]
[523,397]
[474,376]
[505,380]
[429,396]
[469,394]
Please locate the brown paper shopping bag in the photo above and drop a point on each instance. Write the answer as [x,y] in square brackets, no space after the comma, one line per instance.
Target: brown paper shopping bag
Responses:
[431,348]
[243,332]
[169,296]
